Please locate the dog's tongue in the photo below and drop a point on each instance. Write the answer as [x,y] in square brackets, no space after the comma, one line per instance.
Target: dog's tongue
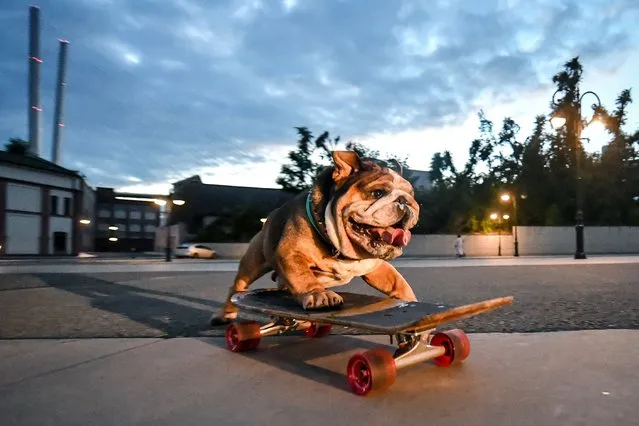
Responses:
[396,236]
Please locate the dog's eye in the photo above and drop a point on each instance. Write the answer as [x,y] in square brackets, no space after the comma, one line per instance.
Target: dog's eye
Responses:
[378,193]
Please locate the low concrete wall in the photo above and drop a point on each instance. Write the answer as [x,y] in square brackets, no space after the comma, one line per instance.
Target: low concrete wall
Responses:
[533,241]
[228,250]
[548,240]
[474,245]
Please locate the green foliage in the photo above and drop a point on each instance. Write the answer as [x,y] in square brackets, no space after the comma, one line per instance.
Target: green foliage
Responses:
[17,146]
[298,175]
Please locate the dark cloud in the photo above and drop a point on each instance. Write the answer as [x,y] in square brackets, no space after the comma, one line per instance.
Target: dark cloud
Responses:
[157,89]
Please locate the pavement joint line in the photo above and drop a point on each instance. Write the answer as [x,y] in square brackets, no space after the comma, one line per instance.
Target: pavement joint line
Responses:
[77,364]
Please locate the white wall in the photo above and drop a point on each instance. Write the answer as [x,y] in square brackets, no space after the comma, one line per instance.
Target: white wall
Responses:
[27,198]
[474,245]
[227,250]
[536,240]
[60,224]
[27,175]
[23,233]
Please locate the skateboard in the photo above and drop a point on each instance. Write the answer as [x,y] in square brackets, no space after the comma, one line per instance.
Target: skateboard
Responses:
[413,325]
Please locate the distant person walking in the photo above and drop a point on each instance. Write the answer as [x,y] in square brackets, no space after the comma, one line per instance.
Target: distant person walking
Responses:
[459,246]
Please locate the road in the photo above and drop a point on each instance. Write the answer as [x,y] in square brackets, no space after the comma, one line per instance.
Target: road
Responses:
[131,301]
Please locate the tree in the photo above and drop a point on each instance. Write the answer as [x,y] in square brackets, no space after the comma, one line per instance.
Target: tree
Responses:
[534,180]
[298,175]
[392,161]
[17,146]
[615,177]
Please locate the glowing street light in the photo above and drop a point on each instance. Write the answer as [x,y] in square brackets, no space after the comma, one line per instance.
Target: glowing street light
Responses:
[113,239]
[85,221]
[113,228]
[557,121]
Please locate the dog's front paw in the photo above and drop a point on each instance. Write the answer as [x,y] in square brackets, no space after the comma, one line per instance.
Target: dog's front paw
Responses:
[406,296]
[321,299]
[222,319]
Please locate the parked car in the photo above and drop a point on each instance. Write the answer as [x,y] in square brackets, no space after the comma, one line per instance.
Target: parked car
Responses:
[195,251]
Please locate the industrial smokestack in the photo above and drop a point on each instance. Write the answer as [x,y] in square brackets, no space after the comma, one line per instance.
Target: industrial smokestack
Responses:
[34,80]
[59,100]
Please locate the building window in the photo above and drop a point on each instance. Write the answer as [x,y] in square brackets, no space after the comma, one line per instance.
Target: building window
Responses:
[150,215]
[120,212]
[149,231]
[134,227]
[104,211]
[54,204]
[67,206]
[134,213]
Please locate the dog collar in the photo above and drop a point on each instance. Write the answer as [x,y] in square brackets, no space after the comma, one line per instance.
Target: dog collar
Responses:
[311,218]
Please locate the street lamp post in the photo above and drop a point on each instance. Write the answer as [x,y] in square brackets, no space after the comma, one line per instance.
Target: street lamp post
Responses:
[506,198]
[498,218]
[576,126]
[168,203]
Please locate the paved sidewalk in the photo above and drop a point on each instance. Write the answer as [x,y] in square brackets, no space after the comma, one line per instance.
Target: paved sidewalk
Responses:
[563,378]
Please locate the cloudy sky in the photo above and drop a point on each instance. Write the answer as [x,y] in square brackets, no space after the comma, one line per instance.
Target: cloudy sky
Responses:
[161,90]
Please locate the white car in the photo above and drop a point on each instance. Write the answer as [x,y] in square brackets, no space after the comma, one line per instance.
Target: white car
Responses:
[195,251]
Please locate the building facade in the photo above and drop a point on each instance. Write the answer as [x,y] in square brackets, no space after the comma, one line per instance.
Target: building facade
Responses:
[222,207]
[125,222]
[41,207]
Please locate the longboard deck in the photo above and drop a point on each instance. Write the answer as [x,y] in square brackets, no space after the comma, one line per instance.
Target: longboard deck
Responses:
[373,313]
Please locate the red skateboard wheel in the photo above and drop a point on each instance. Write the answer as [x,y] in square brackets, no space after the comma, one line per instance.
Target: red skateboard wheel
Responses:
[457,347]
[318,330]
[372,370]
[241,337]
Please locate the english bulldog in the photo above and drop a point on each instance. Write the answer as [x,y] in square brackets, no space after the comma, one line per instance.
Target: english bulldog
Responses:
[355,218]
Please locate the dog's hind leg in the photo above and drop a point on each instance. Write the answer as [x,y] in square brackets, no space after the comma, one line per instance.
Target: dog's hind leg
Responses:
[252,266]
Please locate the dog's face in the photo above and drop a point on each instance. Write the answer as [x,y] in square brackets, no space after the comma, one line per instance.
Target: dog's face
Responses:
[372,209]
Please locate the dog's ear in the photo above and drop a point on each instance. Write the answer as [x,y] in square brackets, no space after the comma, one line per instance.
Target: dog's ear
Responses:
[347,163]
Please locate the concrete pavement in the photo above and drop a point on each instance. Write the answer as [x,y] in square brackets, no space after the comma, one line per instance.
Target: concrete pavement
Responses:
[563,378]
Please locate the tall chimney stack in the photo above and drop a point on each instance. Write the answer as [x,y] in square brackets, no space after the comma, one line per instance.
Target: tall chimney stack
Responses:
[59,100]
[34,80]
